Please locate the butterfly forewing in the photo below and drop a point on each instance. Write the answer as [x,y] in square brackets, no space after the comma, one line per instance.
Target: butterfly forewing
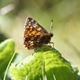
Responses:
[34,34]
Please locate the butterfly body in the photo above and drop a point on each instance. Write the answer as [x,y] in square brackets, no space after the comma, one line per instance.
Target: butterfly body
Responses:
[35,35]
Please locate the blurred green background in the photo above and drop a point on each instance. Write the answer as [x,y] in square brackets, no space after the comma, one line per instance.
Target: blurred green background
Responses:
[66,24]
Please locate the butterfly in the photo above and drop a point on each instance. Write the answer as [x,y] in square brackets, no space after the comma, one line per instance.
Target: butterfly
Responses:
[35,35]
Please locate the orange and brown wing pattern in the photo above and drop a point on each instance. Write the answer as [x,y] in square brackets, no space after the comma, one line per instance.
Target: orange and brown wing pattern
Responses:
[34,34]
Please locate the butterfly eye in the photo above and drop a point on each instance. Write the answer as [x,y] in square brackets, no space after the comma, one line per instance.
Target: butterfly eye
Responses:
[51,34]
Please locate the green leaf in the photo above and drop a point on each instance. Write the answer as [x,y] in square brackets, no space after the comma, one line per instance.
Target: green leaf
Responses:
[45,64]
[6,52]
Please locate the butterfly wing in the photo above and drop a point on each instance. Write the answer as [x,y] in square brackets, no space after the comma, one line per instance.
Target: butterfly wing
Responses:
[31,23]
[32,34]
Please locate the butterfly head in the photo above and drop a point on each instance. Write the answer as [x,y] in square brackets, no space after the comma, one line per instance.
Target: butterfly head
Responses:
[51,34]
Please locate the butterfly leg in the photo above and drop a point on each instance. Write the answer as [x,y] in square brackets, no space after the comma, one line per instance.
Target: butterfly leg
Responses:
[51,43]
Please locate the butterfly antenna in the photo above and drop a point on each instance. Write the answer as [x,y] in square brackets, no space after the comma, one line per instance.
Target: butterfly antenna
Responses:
[51,26]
